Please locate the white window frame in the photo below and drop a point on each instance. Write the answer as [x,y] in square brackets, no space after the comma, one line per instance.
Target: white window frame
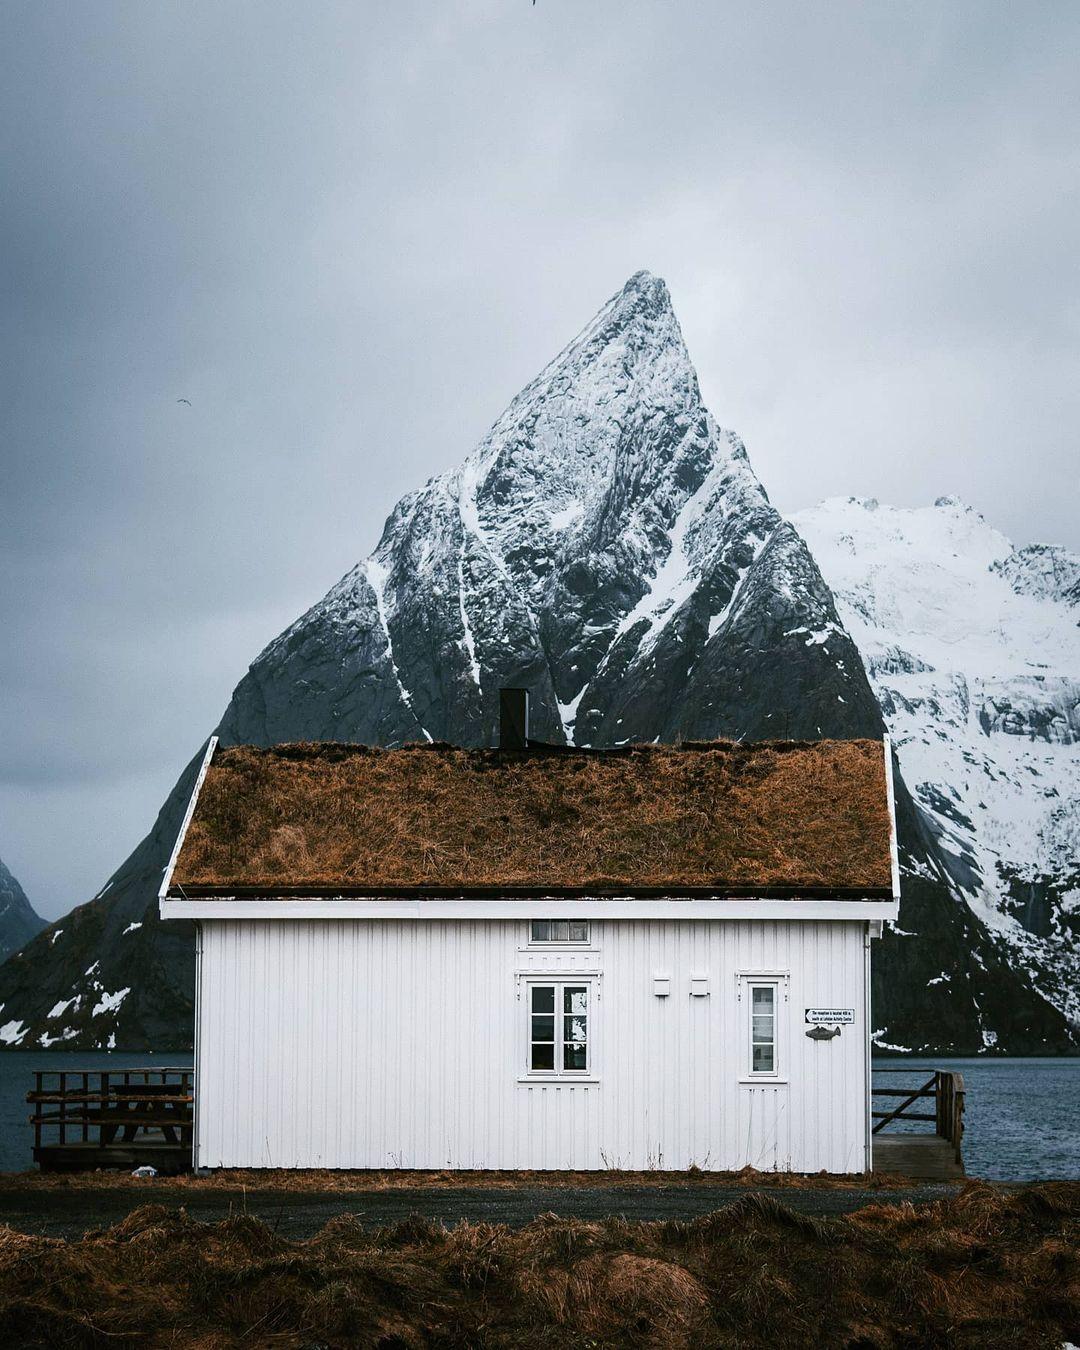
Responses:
[777,981]
[547,944]
[559,983]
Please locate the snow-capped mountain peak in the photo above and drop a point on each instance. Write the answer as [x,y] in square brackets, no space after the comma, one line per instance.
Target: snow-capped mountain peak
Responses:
[605,525]
[938,580]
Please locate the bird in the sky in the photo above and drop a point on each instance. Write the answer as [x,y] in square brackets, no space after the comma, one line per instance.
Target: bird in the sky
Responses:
[184,400]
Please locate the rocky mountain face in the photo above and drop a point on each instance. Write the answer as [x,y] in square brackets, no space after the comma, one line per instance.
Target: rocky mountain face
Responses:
[608,546]
[18,920]
[973,650]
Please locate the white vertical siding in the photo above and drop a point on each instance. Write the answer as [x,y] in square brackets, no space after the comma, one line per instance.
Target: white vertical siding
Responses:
[401,1043]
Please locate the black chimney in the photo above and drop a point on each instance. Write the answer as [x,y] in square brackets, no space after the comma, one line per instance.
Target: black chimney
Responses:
[513,719]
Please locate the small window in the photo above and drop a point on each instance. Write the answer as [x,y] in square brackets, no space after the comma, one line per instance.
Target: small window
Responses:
[763,1029]
[559,1028]
[559,930]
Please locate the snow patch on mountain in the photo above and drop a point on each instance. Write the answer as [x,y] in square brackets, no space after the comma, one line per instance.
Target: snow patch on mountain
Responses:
[973,649]
[376,577]
[675,578]
[12,1033]
[108,1003]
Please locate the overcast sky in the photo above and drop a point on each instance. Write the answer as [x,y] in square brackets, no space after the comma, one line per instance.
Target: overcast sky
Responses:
[348,233]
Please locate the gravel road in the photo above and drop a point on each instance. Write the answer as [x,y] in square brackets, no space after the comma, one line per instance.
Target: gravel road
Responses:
[299,1214]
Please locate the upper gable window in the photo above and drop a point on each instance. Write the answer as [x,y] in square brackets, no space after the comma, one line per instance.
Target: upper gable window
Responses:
[559,930]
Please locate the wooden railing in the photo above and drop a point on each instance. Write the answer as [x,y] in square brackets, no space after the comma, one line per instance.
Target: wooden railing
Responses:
[92,1118]
[941,1089]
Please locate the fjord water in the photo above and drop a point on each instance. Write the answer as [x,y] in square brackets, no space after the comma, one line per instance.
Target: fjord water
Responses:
[1022,1115]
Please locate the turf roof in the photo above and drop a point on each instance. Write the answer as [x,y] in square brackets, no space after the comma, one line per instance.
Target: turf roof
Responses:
[780,817]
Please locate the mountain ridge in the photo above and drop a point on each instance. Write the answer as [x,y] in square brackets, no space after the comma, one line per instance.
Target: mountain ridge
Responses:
[19,921]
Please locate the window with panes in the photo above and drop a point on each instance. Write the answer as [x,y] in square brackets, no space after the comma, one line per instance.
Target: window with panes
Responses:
[763,1056]
[559,930]
[559,1016]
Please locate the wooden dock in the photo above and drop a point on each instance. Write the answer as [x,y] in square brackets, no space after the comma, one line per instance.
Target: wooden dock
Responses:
[929,1097]
[85,1119]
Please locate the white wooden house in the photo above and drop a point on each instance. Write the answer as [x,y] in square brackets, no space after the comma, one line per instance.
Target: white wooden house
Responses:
[536,958]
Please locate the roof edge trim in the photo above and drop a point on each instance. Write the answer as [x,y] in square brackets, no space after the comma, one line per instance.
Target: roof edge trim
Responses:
[581,908]
[670,891]
[166,879]
[890,791]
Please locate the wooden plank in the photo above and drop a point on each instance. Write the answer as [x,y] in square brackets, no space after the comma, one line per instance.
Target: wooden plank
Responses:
[171,1068]
[923,1156]
[899,1112]
[115,1117]
[139,1095]
[139,1068]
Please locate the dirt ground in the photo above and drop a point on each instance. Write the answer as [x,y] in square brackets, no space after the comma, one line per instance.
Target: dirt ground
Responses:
[404,1179]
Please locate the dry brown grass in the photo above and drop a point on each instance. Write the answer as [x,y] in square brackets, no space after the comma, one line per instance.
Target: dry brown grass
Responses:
[981,1269]
[336,1181]
[779,814]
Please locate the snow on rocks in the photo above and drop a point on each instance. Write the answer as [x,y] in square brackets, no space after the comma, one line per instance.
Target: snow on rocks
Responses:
[11,1033]
[604,526]
[973,649]
[108,1003]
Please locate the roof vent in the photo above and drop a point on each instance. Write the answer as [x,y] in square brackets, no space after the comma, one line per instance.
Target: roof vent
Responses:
[513,719]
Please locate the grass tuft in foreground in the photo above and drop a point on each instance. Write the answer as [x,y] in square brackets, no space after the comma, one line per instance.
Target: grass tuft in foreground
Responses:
[978,1269]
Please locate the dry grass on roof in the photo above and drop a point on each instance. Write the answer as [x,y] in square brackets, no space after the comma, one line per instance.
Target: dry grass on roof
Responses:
[778,814]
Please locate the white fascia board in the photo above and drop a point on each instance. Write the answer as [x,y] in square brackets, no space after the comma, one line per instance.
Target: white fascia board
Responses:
[323,908]
[166,880]
[894,852]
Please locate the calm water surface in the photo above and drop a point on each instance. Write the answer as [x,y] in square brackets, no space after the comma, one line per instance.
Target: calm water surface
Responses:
[1022,1117]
